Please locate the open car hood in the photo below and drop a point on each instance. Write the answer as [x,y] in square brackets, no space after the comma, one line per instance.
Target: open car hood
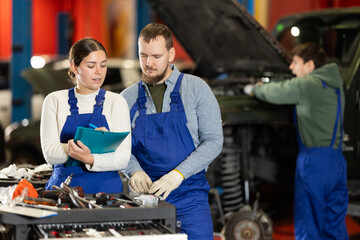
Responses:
[121,73]
[52,77]
[222,37]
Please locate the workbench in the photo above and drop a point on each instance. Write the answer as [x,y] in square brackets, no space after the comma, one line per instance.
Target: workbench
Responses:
[164,213]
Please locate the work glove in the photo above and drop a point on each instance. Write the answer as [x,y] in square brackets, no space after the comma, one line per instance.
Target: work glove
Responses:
[166,184]
[140,182]
[248,89]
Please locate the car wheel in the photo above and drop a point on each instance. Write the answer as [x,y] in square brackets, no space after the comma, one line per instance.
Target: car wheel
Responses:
[243,226]
[26,157]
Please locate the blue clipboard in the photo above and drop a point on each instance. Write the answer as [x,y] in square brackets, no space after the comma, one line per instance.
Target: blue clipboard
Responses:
[99,141]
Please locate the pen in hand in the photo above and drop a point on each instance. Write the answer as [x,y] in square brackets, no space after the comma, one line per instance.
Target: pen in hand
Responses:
[93,126]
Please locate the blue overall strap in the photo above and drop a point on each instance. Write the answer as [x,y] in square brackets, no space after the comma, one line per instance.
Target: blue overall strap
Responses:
[73,102]
[100,98]
[140,102]
[323,84]
[338,115]
[176,103]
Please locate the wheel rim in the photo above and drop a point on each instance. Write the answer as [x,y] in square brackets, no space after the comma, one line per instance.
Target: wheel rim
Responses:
[247,230]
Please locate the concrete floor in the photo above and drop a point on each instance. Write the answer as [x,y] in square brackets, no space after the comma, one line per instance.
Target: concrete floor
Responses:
[284,228]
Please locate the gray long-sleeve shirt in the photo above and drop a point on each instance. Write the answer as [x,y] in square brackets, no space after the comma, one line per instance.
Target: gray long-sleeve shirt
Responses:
[203,115]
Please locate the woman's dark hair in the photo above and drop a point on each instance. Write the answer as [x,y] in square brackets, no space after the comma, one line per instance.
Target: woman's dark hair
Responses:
[310,51]
[81,49]
[152,30]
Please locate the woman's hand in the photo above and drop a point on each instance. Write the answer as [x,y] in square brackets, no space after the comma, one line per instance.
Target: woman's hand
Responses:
[102,129]
[80,152]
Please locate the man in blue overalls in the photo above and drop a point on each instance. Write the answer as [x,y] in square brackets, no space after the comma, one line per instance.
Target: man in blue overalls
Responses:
[321,195]
[176,132]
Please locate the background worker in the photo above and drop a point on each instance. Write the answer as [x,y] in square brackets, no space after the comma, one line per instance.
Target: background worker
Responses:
[321,195]
[85,104]
[177,132]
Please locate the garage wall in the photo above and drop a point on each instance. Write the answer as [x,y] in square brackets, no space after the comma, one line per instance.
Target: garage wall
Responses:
[93,18]
[44,26]
[5,28]
[88,16]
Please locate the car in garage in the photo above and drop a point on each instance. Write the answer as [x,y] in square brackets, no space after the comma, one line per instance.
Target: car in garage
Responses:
[230,50]
[6,106]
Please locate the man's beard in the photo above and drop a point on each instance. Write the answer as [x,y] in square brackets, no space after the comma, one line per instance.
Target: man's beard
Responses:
[153,80]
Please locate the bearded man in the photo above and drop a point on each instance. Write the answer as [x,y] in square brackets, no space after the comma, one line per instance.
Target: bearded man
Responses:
[176,132]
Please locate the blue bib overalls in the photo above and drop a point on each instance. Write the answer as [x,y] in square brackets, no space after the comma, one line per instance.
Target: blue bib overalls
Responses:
[162,141]
[321,195]
[91,182]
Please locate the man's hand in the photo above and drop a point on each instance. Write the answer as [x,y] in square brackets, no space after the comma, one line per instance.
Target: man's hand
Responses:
[166,184]
[248,88]
[140,182]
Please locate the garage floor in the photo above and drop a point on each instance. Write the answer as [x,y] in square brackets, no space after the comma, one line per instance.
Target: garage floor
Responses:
[284,228]
[283,218]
